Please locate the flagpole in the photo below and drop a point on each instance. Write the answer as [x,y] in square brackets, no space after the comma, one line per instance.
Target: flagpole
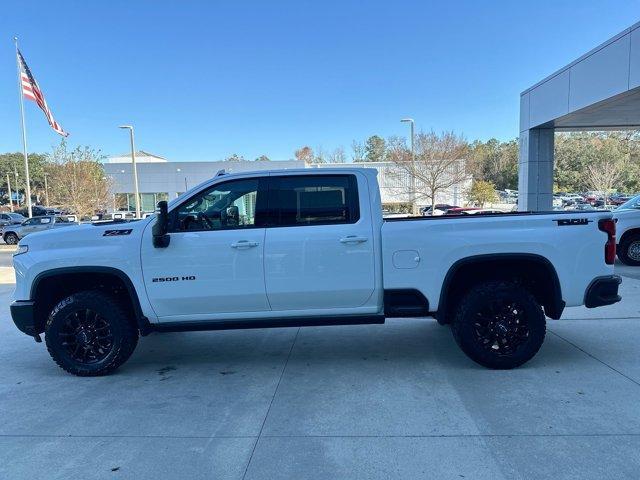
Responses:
[24,134]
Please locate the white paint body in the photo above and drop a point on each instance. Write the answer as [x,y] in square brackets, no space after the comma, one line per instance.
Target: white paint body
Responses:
[628,219]
[308,271]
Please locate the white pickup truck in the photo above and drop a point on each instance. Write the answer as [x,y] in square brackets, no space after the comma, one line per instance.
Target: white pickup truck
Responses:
[627,218]
[306,248]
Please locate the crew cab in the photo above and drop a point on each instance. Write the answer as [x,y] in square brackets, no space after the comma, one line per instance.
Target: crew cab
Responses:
[11,234]
[291,248]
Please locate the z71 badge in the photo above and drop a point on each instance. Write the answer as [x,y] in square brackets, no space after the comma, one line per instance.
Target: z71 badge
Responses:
[116,233]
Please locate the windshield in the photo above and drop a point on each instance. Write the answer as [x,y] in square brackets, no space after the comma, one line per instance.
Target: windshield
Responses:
[631,204]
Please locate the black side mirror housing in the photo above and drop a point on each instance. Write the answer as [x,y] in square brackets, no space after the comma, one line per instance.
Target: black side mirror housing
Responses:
[161,238]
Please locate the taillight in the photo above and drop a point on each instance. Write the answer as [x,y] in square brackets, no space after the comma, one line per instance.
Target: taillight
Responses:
[609,225]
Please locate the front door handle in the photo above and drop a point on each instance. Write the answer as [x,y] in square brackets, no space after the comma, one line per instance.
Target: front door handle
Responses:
[244,244]
[353,239]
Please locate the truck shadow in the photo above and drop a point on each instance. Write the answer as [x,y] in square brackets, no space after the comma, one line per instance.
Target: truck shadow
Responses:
[400,342]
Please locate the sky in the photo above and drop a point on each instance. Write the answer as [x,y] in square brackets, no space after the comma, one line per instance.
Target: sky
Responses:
[201,80]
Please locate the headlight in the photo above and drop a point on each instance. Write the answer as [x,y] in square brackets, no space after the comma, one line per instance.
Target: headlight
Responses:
[21,249]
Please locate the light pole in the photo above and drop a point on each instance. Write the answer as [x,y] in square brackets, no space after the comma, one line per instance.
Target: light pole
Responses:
[135,170]
[412,196]
[46,191]
[15,172]
[9,188]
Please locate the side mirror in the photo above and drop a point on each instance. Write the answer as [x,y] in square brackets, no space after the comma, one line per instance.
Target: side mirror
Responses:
[161,238]
[233,216]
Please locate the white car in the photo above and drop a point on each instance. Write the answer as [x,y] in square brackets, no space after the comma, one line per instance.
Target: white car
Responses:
[628,231]
[307,247]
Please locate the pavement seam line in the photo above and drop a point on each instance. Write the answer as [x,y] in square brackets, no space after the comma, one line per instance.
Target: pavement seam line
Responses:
[596,358]
[222,437]
[275,392]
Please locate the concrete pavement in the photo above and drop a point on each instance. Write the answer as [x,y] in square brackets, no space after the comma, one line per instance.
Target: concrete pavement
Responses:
[356,402]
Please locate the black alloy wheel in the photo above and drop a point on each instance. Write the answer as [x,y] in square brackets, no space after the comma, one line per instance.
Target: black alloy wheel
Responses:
[499,324]
[90,333]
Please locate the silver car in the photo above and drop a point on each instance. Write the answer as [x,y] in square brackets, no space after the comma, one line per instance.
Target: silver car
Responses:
[10,218]
[12,234]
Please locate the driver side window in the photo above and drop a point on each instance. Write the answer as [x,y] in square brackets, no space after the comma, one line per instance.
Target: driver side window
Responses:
[227,205]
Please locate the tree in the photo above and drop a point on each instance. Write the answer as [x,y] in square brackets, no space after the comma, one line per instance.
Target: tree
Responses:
[482,192]
[495,162]
[358,151]
[304,154]
[263,158]
[235,158]
[579,158]
[440,163]
[337,156]
[604,175]
[320,156]
[12,163]
[375,149]
[77,180]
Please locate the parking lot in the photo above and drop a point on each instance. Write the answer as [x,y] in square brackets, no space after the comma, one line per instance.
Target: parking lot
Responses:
[398,400]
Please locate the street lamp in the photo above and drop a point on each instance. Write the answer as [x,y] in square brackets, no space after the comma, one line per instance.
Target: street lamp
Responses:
[9,188]
[46,190]
[135,170]
[15,172]
[412,196]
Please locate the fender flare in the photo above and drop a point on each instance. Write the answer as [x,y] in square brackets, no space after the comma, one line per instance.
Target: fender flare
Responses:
[141,320]
[553,310]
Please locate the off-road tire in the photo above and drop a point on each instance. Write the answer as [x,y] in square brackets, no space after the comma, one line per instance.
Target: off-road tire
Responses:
[626,244]
[11,238]
[123,330]
[476,302]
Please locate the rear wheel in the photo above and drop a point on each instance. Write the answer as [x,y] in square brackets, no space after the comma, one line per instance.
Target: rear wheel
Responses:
[89,334]
[11,238]
[629,249]
[499,325]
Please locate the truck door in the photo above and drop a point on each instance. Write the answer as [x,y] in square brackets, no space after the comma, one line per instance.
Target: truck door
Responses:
[214,262]
[36,224]
[319,253]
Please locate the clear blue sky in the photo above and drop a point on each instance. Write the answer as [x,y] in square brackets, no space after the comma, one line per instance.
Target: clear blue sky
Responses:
[201,80]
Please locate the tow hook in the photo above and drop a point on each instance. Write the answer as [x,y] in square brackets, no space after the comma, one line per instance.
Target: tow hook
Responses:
[37,338]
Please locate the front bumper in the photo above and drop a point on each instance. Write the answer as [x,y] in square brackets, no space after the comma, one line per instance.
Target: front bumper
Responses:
[603,291]
[23,315]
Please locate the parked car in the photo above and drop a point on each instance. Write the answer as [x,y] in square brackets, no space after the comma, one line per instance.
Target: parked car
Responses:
[582,207]
[10,218]
[441,208]
[13,233]
[301,248]
[485,211]
[36,211]
[628,228]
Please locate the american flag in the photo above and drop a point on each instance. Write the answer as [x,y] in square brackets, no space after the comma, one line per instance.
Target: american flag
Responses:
[31,91]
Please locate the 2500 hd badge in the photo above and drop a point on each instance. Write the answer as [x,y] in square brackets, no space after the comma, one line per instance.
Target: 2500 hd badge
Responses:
[173,279]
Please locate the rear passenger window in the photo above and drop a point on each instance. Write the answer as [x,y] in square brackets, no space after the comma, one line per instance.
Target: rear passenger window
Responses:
[314,200]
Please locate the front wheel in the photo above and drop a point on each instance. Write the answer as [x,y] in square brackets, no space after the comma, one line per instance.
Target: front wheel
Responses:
[11,238]
[89,334]
[629,249]
[499,325]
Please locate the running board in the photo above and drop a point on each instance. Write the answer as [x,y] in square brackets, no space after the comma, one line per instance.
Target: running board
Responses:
[189,326]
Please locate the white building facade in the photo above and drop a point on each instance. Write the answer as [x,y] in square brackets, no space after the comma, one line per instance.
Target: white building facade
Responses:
[159,179]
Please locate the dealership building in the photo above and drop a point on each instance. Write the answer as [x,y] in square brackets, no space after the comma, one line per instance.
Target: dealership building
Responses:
[160,179]
[598,91]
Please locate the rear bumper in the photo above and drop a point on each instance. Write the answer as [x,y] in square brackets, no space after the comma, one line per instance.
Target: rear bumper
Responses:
[23,315]
[603,291]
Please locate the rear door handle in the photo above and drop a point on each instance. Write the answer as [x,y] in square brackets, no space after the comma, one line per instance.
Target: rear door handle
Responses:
[244,244]
[353,239]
